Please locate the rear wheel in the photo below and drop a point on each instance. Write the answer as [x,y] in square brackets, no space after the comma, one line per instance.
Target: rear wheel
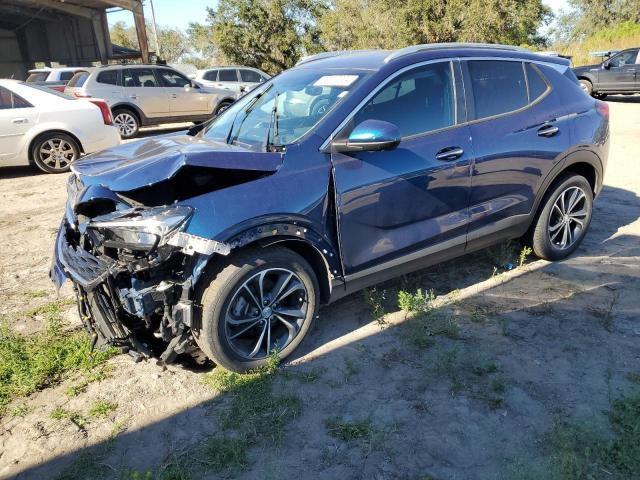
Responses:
[587,86]
[54,152]
[126,122]
[564,218]
[222,107]
[262,302]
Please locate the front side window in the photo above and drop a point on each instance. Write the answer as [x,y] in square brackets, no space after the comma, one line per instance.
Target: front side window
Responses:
[228,76]
[281,111]
[211,75]
[110,77]
[9,100]
[624,58]
[171,78]
[139,77]
[418,101]
[498,87]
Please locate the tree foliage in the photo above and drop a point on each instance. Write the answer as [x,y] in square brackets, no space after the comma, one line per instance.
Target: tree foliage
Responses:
[586,17]
[173,42]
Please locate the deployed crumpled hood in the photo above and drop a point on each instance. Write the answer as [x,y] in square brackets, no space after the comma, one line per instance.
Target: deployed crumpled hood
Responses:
[149,161]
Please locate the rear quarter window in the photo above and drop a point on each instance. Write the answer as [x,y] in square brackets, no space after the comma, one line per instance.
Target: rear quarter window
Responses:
[64,76]
[537,84]
[78,80]
[498,87]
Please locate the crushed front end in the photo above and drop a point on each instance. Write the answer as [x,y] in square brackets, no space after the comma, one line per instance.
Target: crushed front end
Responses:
[133,269]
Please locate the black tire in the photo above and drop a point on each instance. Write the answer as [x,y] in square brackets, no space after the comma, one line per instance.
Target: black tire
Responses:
[54,152]
[550,223]
[587,85]
[126,121]
[600,96]
[222,107]
[220,297]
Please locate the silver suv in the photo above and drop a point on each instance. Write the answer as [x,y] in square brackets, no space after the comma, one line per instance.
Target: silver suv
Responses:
[141,95]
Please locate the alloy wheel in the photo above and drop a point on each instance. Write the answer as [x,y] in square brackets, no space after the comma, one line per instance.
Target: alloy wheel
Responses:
[265,313]
[56,153]
[568,217]
[126,124]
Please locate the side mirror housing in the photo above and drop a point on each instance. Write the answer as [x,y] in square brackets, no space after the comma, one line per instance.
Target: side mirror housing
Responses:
[370,136]
[606,65]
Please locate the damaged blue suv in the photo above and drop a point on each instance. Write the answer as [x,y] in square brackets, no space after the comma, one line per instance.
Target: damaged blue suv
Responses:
[347,170]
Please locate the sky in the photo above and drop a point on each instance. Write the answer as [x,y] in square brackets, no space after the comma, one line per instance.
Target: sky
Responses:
[178,13]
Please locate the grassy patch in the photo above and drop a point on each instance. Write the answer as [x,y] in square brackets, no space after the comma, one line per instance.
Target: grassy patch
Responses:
[417,302]
[74,417]
[20,411]
[348,431]
[375,299]
[421,329]
[227,455]
[30,363]
[524,254]
[102,408]
[624,452]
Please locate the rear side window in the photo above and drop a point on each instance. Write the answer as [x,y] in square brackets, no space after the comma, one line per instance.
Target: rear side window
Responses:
[228,76]
[64,76]
[250,76]
[418,101]
[498,87]
[211,75]
[78,79]
[9,100]
[109,77]
[537,85]
[139,77]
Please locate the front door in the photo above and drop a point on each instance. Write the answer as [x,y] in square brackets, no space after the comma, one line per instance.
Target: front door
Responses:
[621,72]
[394,203]
[17,116]
[141,88]
[520,130]
[183,98]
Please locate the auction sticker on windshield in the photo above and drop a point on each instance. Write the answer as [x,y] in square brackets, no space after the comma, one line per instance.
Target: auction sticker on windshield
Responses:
[335,80]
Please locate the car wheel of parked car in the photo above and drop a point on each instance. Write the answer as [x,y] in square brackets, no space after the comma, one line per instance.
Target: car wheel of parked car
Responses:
[262,302]
[54,152]
[222,107]
[127,123]
[564,218]
[586,86]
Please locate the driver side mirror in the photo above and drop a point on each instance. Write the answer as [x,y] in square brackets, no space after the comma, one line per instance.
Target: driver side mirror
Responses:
[606,65]
[370,136]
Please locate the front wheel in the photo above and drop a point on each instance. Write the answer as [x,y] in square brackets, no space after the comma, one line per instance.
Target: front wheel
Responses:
[564,218]
[126,122]
[262,302]
[587,86]
[54,152]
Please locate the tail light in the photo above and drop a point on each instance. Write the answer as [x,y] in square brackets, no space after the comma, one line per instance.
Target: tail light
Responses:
[105,110]
[602,108]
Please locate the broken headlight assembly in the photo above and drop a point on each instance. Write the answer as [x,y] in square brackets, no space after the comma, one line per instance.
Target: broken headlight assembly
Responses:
[140,229]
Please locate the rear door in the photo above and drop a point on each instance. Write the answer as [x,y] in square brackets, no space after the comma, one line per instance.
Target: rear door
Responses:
[621,72]
[143,89]
[250,79]
[183,99]
[392,204]
[17,116]
[520,130]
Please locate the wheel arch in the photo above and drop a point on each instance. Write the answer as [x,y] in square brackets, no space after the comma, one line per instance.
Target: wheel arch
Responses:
[587,77]
[228,100]
[135,109]
[35,138]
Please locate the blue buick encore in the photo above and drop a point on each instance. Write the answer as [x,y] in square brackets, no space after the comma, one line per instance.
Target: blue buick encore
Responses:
[344,171]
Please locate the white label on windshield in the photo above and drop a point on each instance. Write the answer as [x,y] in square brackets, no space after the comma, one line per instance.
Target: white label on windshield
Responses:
[335,80]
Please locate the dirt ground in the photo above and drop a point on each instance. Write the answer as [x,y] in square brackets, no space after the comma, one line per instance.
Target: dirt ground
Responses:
[528,346]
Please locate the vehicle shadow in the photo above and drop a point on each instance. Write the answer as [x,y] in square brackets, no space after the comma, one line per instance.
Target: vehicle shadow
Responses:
[527,345]
[20,172]
[623,98]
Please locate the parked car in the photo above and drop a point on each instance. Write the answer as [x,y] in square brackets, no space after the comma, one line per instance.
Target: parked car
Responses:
[238,79]
[618,74]
[141,95]
[226,241]
[54,78]
[48,129]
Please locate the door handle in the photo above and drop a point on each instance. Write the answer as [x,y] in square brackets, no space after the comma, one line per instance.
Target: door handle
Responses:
[449,153]
[20,120]
[548,131]
[135,97]
[173,95]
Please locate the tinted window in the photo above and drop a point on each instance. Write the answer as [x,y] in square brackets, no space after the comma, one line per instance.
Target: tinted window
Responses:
[109,77]
[139,77]
[625,58]
[211,75]
[37,77]
[537,85]
[498,87]
[250,76]
[64,76]
[171,78]
[78,79]
[228,76]
[8,100]
[418,101]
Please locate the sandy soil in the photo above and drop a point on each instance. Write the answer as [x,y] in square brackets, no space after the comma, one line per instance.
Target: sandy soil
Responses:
[546,326]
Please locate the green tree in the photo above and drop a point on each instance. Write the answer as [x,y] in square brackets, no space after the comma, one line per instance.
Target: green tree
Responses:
[398,23]
[123,35]
[586,17]
[266,34]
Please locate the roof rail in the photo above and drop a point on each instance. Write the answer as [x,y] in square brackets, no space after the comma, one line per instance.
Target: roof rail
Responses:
[436,46]
[320,56]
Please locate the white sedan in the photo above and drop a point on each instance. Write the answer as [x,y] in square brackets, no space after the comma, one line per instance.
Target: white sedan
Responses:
[42,127]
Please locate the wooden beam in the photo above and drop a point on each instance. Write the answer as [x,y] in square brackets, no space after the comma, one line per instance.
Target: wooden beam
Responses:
[132,5]
[60,6]
[141,30]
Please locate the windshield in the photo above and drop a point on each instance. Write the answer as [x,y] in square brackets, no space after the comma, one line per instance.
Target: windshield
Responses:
[282,110]
[78,79]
